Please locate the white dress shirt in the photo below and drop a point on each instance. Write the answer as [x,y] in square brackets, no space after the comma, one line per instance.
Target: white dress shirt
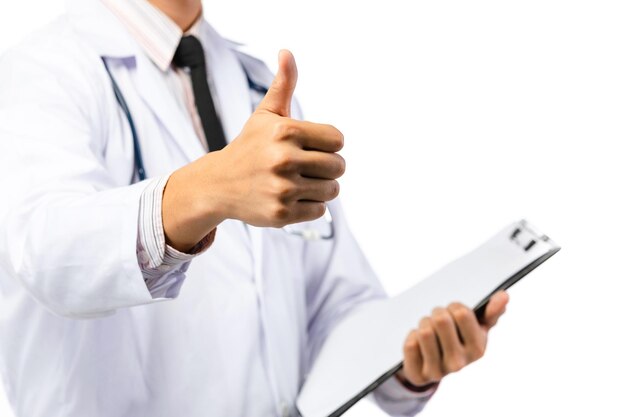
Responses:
[89,324]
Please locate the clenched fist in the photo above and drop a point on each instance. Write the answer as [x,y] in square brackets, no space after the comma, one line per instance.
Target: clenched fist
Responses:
[447,341]
[278,171]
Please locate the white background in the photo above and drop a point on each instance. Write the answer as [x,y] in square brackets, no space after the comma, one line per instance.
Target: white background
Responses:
[460,117]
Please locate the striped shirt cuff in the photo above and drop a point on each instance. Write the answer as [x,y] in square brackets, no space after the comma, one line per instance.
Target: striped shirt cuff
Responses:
[154,255]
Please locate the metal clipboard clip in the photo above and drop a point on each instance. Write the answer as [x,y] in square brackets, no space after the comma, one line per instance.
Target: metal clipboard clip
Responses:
[526,236]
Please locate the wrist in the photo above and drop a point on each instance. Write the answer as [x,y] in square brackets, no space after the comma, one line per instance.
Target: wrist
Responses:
[412,387]
[188,217]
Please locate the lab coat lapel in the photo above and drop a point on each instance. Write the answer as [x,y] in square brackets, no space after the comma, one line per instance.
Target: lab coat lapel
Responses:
[105,33]
[235,104]
[152,89]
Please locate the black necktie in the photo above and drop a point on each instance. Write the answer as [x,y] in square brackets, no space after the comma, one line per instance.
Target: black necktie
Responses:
[191,55]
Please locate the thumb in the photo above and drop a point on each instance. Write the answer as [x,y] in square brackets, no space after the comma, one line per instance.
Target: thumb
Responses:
[495,308]
[278,97]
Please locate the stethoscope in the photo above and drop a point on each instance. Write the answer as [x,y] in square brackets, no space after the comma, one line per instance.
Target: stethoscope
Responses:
[306,231]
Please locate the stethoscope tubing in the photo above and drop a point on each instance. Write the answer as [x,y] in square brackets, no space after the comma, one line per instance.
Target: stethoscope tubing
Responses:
[139,165]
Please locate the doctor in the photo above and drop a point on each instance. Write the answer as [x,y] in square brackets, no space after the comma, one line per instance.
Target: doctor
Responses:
[179,294]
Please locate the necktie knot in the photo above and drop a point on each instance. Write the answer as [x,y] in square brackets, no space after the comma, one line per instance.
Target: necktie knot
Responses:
[189,53]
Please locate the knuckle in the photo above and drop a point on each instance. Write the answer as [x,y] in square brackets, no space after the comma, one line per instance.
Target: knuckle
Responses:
[285,130]
[462,313]
[425,323]
[283,162]
[441,319]
[478,352]
[285,191]
[411,344]
[456,306]
[425,333]
[455,363]
[432,373]
[280,215]
[437,311]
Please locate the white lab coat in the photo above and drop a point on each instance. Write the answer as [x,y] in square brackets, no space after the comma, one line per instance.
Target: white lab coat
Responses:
[252,311]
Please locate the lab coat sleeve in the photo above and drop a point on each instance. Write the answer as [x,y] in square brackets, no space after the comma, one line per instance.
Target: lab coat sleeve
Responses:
[68,232]
[341,279]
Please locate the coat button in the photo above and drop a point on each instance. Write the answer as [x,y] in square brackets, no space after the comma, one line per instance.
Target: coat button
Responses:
[284,409]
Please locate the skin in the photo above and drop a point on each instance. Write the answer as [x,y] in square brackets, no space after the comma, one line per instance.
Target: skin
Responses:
[280,171]
[447,341]
[183,12]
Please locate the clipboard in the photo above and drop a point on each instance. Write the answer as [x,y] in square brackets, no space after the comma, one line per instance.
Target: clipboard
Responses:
[365,349]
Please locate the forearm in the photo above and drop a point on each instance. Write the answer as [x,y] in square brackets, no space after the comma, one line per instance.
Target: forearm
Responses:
[192,209]
[163,267]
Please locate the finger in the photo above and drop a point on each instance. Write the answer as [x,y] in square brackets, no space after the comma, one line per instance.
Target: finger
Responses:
[495,308]
[323,165]
[452,349]
[316,136]
[413,361]
[317,190]
[430,350]
[279,95]
[304,211]
[474,338]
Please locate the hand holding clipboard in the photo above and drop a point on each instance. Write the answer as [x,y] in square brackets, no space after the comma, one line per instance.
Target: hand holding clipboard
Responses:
[362,351]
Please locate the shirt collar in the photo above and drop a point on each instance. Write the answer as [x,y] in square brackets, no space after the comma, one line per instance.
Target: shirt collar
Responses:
[157,34]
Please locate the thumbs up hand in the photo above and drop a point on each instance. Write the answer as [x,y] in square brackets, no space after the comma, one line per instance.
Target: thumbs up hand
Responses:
[278,171]
[290,166]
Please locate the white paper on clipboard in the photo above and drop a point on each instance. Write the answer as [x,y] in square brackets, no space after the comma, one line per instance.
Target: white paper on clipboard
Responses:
[366,347]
